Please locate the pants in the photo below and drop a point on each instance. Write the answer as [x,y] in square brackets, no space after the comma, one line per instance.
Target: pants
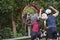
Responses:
[34,35]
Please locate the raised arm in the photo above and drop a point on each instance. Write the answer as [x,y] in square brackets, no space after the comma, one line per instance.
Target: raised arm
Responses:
[40,13]
[55,10]
[42,16]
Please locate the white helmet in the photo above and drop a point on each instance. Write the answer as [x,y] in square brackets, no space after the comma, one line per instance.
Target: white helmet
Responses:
[48,11]
[44,15]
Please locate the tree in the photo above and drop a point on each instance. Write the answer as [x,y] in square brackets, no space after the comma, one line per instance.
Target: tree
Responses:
[11,15]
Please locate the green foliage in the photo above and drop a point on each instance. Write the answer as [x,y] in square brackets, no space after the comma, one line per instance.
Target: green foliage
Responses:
[21,33]
[15,7]
[5,18]
[30,10]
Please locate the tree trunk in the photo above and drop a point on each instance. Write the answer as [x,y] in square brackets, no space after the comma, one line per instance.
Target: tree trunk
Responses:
[14,28]
[13,25]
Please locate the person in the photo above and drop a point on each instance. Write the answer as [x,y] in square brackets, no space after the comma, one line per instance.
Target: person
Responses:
[35,26]
[51,23]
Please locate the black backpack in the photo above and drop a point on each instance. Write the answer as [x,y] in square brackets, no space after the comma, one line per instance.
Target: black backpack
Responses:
[40,24]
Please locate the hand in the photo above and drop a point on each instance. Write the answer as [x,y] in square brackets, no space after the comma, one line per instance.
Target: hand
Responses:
[42,8]
[23,11]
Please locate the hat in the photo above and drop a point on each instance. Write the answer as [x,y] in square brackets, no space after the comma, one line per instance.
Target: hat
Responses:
[48,11]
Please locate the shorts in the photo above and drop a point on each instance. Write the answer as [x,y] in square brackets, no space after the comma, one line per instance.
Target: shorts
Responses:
[51,33]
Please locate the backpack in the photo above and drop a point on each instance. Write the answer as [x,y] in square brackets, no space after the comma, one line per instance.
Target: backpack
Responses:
[40,24]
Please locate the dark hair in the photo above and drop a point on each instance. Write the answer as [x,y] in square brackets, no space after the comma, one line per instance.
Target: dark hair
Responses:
[48,14]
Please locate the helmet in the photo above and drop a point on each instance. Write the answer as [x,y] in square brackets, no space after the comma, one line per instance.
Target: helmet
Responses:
[48,11]
[44,15]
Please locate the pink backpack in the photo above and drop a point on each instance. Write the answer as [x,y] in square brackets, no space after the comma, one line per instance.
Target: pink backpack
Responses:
[35,27]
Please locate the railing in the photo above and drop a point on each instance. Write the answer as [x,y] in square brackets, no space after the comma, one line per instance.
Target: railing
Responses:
[26,37]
